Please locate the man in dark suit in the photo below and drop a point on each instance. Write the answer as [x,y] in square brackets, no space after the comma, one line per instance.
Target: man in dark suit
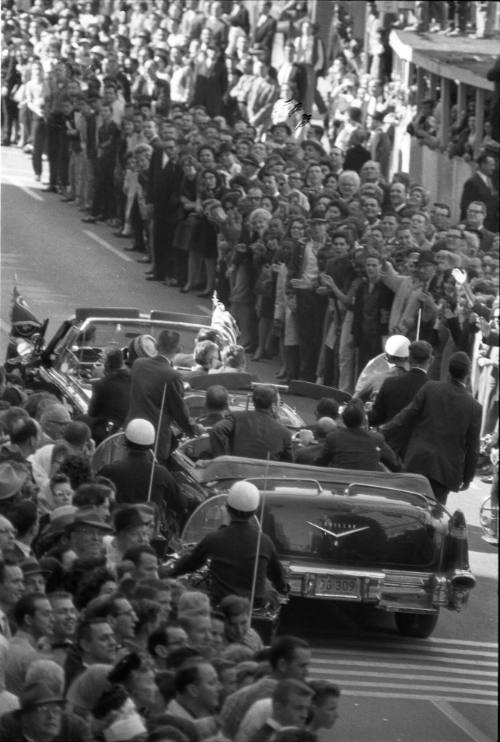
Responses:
[442,426]
[475,217]
[265,28]
[398,391]
[255,434]
[355,447]
[157,391]
[309,453]
[239,16]
[480,188]
[108,405]
[163,198]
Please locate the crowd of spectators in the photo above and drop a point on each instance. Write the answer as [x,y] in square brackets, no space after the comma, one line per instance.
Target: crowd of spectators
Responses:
[271,183]
[97,642]
[168,121]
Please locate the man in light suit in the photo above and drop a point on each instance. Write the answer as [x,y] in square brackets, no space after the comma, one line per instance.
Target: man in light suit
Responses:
[153,380]
[262,96]
[480,188]
[442,426]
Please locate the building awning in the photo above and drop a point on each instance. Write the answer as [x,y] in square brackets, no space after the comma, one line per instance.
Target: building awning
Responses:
[446,57]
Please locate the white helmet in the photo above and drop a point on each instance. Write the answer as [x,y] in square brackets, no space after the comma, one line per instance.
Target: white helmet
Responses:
[243,496]
[397,346]
[140,432]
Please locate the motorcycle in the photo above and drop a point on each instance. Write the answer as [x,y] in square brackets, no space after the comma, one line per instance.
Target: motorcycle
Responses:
[488,512]
[209,516]
[26,337]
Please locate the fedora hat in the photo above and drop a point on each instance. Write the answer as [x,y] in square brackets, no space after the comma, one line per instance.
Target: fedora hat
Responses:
[87,516]
[37,694]
[128,518]
[313,143]
[30,566]
[283,125]
[250,160]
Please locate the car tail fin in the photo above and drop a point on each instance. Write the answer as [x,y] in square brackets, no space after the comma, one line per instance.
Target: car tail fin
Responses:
[456,561]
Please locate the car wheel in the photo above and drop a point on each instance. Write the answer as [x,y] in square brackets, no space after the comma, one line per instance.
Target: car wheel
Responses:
[418,625]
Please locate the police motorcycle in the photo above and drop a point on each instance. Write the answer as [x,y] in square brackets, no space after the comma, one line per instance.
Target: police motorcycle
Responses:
[26,337]
[208,517]
[488,512]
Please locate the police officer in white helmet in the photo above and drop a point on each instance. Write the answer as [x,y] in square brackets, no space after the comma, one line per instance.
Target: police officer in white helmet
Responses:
[232,551]
[136,475]
[393,362]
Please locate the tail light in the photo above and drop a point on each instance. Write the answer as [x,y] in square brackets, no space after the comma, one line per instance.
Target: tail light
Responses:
[456,561]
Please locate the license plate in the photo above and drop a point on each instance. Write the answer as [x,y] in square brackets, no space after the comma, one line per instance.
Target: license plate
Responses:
[340,587]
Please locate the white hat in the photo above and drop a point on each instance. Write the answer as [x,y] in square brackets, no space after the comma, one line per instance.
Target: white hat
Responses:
[397,346]
[243,496]
[98,50]
[141,432]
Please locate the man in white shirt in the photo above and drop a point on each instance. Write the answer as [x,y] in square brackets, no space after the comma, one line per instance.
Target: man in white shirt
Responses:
[288,708]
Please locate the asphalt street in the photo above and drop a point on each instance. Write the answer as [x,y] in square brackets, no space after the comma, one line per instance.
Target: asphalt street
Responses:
[394,689]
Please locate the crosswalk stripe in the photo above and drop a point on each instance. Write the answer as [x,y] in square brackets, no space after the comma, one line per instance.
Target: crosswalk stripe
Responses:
[433,678]
[434,653]
[396,666]
[458,642]
[445,660]
[427,687]
[418,697]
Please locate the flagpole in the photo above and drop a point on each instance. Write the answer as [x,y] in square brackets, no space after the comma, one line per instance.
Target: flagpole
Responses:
[419,320]
[155,449]
[259,539]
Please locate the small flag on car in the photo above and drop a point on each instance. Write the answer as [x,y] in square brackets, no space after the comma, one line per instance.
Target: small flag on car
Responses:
[20,313]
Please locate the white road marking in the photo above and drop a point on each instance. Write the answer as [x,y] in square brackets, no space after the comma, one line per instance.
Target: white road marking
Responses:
[418,697]
[419,676]
[15,182]
[431,655]
[106,245]
[203,309]
[405,666]
[460,642]
[461,721]
[429,688]
[426,660]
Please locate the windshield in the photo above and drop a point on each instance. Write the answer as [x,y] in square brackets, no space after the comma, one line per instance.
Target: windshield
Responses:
[118,334]
[83,347]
